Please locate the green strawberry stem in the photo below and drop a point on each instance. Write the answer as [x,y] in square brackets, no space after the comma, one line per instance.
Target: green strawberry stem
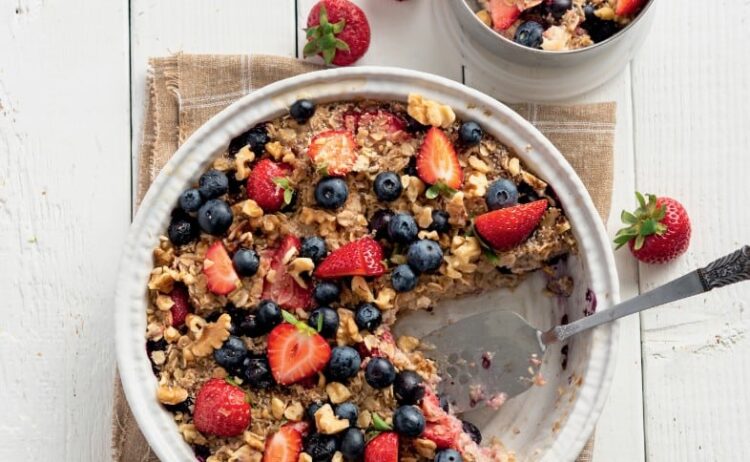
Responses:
[379,424]
[286,185]
[291,319]
[322,38]
[439,188]
[645,221]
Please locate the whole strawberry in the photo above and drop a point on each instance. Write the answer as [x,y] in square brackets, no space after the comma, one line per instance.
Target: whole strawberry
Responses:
[338,31]
[658,231]
[221,409]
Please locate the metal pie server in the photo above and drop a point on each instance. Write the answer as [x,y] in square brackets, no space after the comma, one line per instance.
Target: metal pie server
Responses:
[489,357]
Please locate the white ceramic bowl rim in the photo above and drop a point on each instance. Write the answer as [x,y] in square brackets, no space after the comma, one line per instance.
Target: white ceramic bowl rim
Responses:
[138,380]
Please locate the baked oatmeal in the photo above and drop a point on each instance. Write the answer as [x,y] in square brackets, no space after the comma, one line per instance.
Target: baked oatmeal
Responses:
[282,270]
[558,25]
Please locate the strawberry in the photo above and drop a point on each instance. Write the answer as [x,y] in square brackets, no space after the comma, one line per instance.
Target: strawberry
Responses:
[657,232]
[437,163]
[338,31]
[381,120]
[506,228]
[217,266]
[442,428]
[628,7]
[221,409]
[283,446]
[181,305]
[284,289]
[504,14]
[333,150]
[296,351]
[363,257]
[382,448]
[269,186]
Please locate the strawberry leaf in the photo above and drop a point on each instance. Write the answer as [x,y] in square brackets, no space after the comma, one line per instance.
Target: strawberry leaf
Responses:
[339,26]
[322,170]
[491,257]
[291,319]
[322,38]
[288,196]
[379,424]
[432,192]
[628,218]
[319,324]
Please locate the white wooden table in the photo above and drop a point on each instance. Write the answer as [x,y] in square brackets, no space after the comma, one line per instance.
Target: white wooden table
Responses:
[72,79]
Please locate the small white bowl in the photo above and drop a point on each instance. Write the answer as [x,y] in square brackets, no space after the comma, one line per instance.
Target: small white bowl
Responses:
[549,423]
[525,74]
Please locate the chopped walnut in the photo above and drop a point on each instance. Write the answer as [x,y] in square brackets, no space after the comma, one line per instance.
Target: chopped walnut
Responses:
[277,408]
[327,423]
[337,392]
[171,394]
[164,302]
[242,161]
[348,332]
[385,298]
[162,279]
[251,209]
[556,38]
[428,112]
[212,336]
[485,17]
[361,289]
[294,411]
[245,454]
[299,266]
[254,441]
[425,448]
[304,457]
[275,149]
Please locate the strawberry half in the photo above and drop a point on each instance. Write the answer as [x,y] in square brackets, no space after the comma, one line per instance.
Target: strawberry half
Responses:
[296,351]
[437,162]
[382,448]
[221,409]
[506,228]
[628,7]
[181,305]
[504,13]
[217,266]
[658,231]
[363,257]
[334,150]
[284,289]
[338,31]
[283,446]
[269,186]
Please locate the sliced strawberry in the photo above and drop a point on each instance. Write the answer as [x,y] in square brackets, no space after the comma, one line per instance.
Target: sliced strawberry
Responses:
[283,446]
[444,433]
[334,150]
[363,257]
[351,120]
[181,305]
[431,406]
[283,288]
[302,427]
[268,185]
[504,13]
[628,7]
[220,276]
[506,228]
[221,409]
[437,161]
[380,120]
[382,448]
[296,352]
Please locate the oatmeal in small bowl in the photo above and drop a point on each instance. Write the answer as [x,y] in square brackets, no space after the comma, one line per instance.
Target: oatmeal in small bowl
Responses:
[281,264]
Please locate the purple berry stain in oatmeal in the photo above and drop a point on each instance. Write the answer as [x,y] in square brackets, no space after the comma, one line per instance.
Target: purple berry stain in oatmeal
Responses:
[486,360]
[590,302]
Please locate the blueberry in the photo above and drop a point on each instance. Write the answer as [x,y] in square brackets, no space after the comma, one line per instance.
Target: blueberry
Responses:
[183,407]
[257,138]
[408,421]
[344,363]
[448,455]
[183,230]
[155,345]
[320,447]
[246,262]
[424,256]
[408,387]
[402,228]
[413,125]
[368,317]
[347,411]
[559,7]
[213,184]
[203,452]
[411,167]
[599,29]
[440,221]
[326,293]
[379,222]
[314,248]
[472,430]
[380,373]
[529,34]
[215,217]
[331,192]
[403,278]
[302,110]
[235,185]
[191,200]
[231,354]
[470,133]
[445,404]
[260,322]
[387,186]
[352,445]
[256,372]
[501,193]
[526,193]
[329,324]
[312,408]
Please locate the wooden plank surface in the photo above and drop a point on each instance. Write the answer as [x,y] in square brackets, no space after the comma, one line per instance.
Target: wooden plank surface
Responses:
[64,211]
[691,127]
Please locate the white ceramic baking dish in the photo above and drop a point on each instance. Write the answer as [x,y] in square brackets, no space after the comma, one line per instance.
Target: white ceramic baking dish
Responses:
[549,423]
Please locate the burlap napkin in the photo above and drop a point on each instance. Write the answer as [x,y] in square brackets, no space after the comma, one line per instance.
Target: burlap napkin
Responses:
[186,90]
